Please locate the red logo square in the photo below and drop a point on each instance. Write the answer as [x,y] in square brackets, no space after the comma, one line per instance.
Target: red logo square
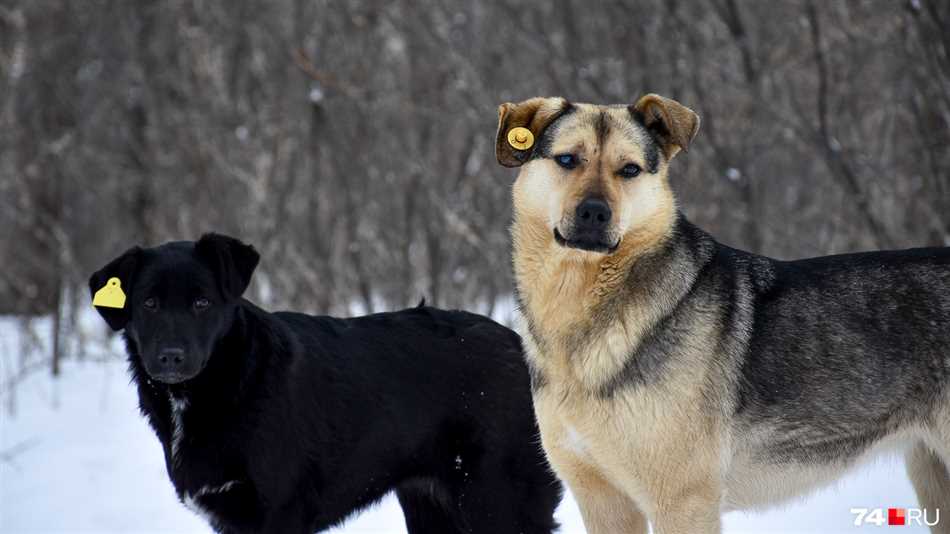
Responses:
[896,516]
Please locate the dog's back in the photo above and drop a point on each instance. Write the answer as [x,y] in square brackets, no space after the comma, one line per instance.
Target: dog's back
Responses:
[433,403]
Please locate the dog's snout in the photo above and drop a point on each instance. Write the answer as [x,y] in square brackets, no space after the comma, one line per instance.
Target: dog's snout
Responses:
[172,365]
[171,356]
[593,213]
[590,229]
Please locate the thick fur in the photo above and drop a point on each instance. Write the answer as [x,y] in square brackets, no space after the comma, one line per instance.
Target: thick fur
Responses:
[291,422]
[675,378]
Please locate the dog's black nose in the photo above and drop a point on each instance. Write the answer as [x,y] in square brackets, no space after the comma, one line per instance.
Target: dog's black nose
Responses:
[592,214]
[171,356]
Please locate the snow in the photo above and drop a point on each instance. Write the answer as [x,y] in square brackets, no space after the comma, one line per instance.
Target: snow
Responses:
[82,459]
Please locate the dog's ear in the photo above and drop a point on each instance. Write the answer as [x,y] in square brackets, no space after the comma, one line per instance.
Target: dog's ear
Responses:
[673,123]
[232,262]
[520,127]
[124,268]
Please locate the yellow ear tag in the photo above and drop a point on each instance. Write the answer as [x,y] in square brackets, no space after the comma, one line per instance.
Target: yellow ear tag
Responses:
[110,296]
[520,138]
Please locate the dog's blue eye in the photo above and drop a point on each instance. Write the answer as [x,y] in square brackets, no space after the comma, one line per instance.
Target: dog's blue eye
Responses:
[630,170]
[568,161]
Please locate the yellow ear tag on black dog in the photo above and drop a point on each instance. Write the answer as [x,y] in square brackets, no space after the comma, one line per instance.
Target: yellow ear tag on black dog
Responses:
[520,138]
[110,296]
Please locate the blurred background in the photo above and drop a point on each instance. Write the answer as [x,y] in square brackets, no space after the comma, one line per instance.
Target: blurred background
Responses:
[352,144]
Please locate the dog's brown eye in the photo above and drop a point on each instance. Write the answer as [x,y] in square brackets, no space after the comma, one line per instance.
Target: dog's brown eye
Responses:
[202,303]
[150,303]
[630,170]
[568,161]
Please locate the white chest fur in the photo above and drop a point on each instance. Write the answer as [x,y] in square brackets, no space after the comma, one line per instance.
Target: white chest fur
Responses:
[193,501]
[575,442]
[178,407]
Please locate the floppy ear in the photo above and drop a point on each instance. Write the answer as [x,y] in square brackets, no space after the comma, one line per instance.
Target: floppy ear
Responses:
[535,115]
[232,262]
[124,268]
[673,123]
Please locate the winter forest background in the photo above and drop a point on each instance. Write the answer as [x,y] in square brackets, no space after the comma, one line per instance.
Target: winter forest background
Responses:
[352,142]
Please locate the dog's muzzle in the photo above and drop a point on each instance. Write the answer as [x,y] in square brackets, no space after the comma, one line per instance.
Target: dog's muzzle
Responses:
[171,366]
[590,228]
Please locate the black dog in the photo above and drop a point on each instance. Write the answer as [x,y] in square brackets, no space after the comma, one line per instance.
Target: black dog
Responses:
[288,423]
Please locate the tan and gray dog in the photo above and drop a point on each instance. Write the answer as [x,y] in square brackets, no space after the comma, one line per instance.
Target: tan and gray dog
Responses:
[675,378]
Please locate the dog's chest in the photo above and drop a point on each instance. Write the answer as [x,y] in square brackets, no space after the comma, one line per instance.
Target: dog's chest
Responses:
[602,433]
[590,361]
[200,476]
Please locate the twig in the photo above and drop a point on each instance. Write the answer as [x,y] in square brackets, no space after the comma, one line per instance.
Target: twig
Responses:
[8,455]
[831,148]
[35,365]
[305,64]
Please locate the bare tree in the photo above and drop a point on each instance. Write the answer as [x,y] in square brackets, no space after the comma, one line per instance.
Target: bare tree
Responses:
[351,142]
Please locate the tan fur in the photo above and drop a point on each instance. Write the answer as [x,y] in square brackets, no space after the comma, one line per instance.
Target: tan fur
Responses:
[604,507]
[562,286]
[614,470]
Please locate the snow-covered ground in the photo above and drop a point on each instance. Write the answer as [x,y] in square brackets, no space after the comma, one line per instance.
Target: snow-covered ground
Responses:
[77,457]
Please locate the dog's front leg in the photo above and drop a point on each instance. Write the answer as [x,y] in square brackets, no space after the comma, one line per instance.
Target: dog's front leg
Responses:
[604,508]
[694,511]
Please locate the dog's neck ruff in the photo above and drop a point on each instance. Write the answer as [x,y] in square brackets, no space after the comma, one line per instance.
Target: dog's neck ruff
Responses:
[582,321]
[559,292]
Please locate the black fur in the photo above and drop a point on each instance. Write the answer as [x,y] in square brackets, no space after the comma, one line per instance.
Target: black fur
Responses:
[542,146]
[601,128]
[294,422]
[848,348]
[651,141]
